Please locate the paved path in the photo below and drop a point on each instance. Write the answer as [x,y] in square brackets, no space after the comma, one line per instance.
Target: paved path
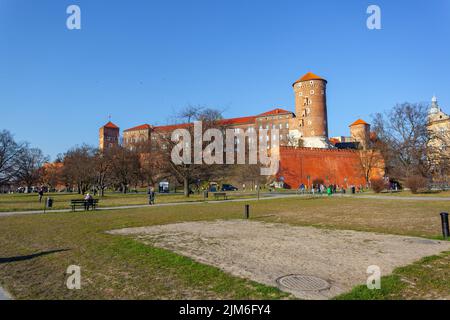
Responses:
[168,204]
[382,197]
[264,196]
[4,295]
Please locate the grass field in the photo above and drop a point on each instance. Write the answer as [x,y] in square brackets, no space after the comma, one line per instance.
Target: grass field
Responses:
[28,202]
[116,267]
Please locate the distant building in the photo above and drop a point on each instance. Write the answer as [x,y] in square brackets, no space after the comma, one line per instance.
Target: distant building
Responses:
[306,129]
[439,140]
[109,136]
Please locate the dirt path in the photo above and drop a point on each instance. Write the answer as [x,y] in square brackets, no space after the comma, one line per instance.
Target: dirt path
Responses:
[264,252]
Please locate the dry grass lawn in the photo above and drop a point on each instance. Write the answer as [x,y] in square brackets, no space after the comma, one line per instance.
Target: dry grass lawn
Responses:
[116,267]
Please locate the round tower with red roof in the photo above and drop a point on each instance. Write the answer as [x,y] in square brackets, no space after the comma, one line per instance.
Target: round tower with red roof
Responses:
[311,110]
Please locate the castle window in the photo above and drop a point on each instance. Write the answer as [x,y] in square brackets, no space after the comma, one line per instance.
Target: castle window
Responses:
[309,101]
[322,91]
[311,83]
[309,122]
[301,94]
[287,125]
[311,92]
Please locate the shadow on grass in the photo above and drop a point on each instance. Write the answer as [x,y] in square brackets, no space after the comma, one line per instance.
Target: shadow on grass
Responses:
[30,256]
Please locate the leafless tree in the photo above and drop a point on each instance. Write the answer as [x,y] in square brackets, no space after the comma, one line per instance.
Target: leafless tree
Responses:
[189,173]
[30,163]
[403,140]
[102,162]
[125,167]
[79,168]
[10,152]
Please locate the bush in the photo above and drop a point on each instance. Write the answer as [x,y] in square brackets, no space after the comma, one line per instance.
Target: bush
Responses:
[416,183]
[378,185]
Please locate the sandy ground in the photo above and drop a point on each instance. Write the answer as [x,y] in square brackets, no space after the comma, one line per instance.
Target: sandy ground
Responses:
[264,252]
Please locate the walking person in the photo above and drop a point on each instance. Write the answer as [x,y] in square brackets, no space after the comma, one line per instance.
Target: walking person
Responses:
[151,196]
[41,194]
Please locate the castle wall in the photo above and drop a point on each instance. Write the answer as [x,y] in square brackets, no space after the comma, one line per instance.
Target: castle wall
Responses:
[334,166]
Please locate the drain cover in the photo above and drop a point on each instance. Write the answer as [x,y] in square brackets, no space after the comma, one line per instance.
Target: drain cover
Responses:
[303,283]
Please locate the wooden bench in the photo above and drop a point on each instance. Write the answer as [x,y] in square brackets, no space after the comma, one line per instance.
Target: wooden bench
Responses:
[218,195]
[86,204]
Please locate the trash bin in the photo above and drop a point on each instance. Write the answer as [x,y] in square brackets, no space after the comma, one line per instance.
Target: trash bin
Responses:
[49,202]
[205,194]
[445,225]
[353,190]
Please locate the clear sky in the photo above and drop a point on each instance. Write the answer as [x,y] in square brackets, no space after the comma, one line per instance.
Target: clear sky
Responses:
[141,60]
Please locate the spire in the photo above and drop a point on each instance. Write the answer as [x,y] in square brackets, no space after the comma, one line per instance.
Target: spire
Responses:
[434,108]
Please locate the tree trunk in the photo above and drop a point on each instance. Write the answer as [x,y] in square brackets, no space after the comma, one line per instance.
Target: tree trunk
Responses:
[186,187]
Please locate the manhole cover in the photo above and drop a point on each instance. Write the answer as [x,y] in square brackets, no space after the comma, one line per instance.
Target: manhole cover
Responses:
[303,283]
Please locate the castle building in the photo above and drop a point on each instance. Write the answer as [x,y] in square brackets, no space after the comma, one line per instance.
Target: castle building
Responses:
[311,122]
[108,136]
[439,139]
[306,129]
[438,124]
[360,133]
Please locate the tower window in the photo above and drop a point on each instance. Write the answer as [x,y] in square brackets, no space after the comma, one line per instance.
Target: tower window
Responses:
[311,83]
[300,94]
[311,92]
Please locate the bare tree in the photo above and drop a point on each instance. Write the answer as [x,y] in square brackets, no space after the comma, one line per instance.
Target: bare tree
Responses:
[10,152]
[369,161]
[30,163]
[79,169]
[404,138]
[125,167]
[189,173]
[102,162]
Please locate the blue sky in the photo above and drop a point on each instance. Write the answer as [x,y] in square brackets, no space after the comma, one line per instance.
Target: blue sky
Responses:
[141,61]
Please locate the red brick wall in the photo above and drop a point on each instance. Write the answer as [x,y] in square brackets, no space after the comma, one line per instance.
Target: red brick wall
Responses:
[333,166]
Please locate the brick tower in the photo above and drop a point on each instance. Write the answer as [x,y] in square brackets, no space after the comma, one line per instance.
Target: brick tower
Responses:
[311,110]
[360,132]
[108,136]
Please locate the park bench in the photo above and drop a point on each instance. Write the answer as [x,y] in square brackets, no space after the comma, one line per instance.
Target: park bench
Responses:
[83,204]
[218,195]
